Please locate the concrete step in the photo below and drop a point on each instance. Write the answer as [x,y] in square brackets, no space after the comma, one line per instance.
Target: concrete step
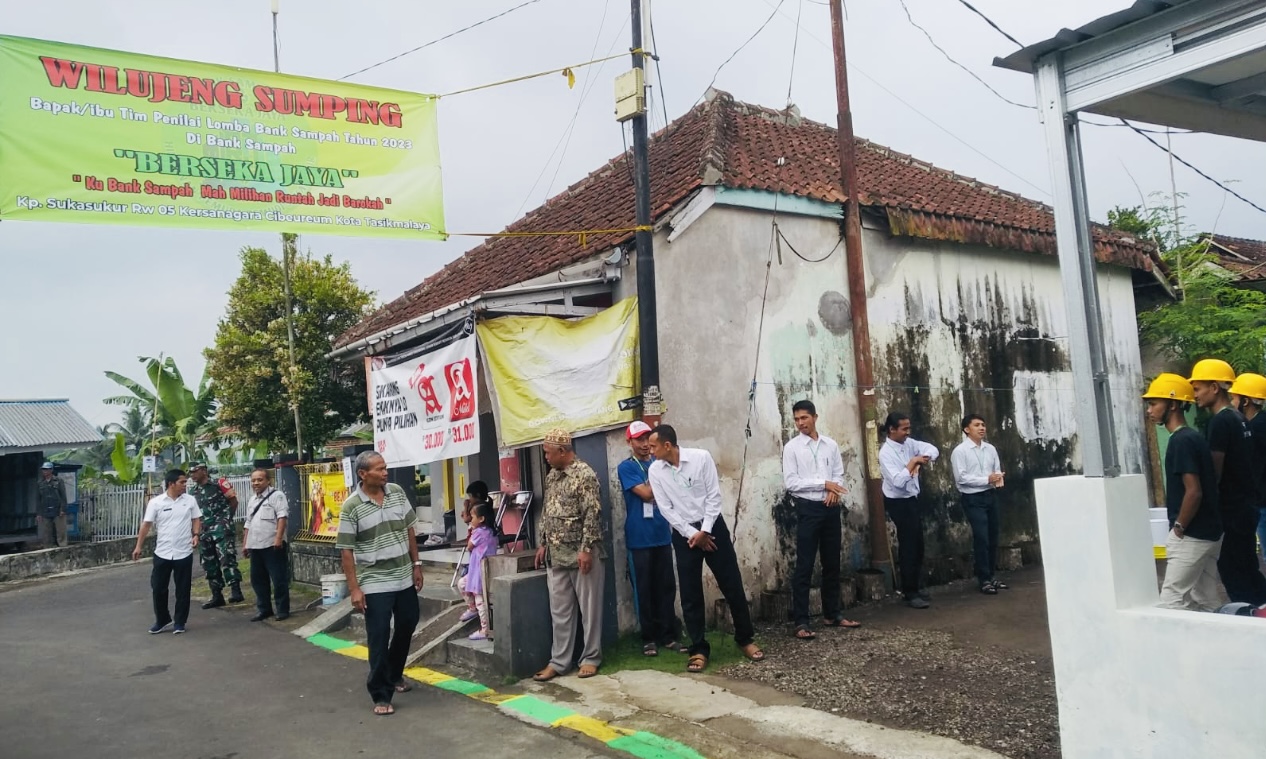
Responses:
[432,602]
[476,657]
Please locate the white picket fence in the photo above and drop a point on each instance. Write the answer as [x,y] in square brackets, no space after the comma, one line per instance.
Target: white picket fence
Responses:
[111,513]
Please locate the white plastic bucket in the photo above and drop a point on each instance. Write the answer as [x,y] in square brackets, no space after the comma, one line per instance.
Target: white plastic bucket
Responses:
[1160,531]
[333,589]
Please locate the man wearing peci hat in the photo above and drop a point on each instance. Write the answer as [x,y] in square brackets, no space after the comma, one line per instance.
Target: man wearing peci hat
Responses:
[1231,444]
[649,539]
[51,517]
[573,551]
[1191,500]
[1248,395]
[218,543]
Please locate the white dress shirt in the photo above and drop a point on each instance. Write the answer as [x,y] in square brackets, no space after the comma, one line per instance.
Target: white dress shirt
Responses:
[173,522]
[893,458]
[261,529]
[973,464]
[808,464]
[688,493]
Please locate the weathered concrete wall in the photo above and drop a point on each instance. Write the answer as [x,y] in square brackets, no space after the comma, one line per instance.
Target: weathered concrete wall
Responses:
[710,283]
[956,329]
[962,329]
[23,566]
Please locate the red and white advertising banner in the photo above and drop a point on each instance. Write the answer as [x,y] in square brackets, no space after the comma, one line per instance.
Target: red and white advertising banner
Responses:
[425,402]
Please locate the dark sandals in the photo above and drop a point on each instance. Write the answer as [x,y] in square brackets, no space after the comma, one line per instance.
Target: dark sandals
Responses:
[841,622]
[804,633]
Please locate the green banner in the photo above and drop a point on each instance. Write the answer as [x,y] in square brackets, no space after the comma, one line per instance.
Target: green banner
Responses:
[107,137]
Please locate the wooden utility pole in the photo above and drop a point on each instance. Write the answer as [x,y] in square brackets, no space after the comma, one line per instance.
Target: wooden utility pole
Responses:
[880,555]
[648,335]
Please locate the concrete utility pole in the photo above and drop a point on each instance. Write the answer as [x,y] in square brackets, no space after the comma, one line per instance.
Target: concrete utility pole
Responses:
[648,335]
[880,555]
[288,247]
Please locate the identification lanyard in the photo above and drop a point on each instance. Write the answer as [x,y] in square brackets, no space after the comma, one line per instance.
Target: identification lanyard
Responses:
[648,507]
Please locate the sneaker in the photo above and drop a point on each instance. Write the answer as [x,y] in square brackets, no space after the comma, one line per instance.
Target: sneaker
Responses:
[157,628]
[179,629]
[468,615]
[917,602]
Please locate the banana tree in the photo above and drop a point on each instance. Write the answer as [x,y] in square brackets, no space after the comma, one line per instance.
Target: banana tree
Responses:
[181,416]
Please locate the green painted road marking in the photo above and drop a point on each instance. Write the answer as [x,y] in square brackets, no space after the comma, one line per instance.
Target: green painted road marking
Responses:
[537,709]
[329,642]
[650,746]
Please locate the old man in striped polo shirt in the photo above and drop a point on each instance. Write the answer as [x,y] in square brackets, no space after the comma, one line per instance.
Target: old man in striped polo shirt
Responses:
[380,559]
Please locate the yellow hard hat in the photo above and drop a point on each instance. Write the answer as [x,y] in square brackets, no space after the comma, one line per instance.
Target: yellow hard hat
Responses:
[1170,387]
[1212,370]
[1250,385]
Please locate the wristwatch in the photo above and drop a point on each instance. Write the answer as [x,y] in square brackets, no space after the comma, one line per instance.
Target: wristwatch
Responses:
[417,563]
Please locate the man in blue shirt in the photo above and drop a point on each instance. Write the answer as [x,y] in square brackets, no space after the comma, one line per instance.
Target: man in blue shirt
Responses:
[649,539]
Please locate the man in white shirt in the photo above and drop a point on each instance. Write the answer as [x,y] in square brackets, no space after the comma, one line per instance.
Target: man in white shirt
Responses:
[687,490]
[264,543]
[177,519]
[978,474]
[901,459]
[813,473]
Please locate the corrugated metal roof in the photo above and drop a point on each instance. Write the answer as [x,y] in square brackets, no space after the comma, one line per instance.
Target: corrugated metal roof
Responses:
[35,424]
[1024,60]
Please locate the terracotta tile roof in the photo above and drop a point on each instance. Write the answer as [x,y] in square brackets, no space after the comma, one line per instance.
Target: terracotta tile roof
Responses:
[1240,255]
[733,144]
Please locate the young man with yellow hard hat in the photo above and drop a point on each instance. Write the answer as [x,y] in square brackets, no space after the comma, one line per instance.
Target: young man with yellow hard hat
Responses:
[1191,498]
[1248,394]
[1231,445]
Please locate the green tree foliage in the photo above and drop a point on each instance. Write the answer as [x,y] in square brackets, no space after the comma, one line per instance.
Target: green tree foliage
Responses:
[1214,315]
[182,415]
[249,362]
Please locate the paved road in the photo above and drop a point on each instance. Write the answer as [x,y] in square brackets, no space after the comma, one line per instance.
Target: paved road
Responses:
[80,677]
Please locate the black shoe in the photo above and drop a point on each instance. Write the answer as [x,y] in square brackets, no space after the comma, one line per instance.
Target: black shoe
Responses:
[283,617]
[216,602]
[261,616]
[235,596]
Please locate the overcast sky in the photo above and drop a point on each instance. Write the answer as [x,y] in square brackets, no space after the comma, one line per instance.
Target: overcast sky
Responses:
[78,300]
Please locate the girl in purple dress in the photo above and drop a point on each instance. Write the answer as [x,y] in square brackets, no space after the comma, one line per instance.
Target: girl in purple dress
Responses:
[482,543]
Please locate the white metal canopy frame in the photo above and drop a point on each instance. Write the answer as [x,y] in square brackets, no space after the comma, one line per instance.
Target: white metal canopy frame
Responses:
[1191,64]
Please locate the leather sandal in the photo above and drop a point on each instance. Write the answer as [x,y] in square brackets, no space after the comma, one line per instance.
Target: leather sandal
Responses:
[753,652]
[545,675]
[697,663]
[587,671]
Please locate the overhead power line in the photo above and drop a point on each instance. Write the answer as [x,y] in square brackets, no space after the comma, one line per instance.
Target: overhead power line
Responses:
[441,39]
[954,61]
[746,42]
[854,67]
[1192,166]
[989,21]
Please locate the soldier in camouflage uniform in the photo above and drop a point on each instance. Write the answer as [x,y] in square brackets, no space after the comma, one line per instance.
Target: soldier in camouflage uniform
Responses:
[573,550]
[217,545]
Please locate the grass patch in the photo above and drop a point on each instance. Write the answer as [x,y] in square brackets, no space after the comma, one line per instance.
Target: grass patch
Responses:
[627,654]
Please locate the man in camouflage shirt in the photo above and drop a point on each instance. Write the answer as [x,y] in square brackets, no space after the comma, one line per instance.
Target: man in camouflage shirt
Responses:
[217,546]
[573,551]
[51,517]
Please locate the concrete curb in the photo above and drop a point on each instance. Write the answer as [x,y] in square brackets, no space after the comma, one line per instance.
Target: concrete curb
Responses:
[50,561]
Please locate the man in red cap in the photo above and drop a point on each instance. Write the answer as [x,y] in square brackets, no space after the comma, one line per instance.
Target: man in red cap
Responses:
[649,539]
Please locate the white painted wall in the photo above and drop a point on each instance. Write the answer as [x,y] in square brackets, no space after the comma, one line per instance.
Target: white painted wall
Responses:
[1133,680]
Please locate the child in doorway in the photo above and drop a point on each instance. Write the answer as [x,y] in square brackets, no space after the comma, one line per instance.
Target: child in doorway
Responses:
[482,543]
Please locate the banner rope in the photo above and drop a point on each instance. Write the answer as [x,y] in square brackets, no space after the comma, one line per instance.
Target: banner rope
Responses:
[564,70]
[583,234]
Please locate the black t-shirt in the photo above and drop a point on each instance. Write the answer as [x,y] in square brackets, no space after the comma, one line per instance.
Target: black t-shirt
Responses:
[1257,425]
[1229,434]
[1188,453]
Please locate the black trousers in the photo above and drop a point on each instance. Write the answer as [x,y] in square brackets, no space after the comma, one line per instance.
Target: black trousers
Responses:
[1237,564]
[160,577]
[817,531]
[655,589]
[388,649]
[907,515]
[270,579]
[982,513]
[725,569]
